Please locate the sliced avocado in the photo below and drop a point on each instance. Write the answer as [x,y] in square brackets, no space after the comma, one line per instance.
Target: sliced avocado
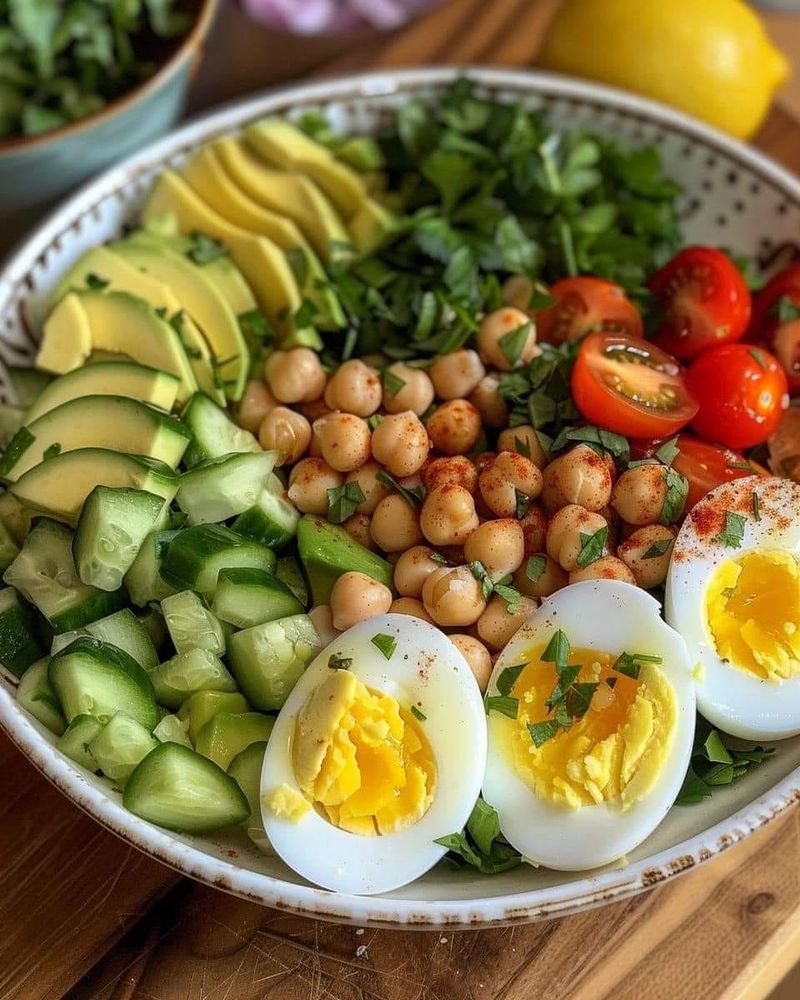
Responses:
[60,485]
[226,734]
[28,383]
[117,378]
[200,299]
[371,227]
[291,194]
[262,263]
[104,265]
[284,145]
[206,175]
[200,707]
[326,551]
[11,420]
[112,422]
[66,338]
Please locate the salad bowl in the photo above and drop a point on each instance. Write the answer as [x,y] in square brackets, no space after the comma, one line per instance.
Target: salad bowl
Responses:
[732,197]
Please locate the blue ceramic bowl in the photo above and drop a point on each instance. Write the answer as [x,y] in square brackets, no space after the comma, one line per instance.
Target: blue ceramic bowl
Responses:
[33,171]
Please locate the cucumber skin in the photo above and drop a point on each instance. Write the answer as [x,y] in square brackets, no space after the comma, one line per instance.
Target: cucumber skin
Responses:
[104,747]
[185,565]
[19,644]
[171,696]
[277,599]
[264,683]
[37,696]
[74,741]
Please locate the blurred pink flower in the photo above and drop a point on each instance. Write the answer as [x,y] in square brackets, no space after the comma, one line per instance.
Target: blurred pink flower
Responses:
[316,17]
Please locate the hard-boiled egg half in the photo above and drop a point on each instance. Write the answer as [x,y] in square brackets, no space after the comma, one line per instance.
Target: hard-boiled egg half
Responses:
[379,751]
[591,718]
[733,592]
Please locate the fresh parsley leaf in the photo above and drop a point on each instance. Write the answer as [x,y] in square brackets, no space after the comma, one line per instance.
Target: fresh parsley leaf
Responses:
[522,447]
[437,557]
[255,326]
[541,732]
[413,495]
[204,249]
[592,546]
[508,678]
[534,567]
[387,644]
[668,451]
[615,444]
[51,451]
[343,501]
[510,595]
[579,698]
[96,283]
[557,649]
[716,760]
[732,533]
[659,548]
[480,844]
[304,314]
[786,309]
[758,356]
[374,421]
[675,497]
[478,570]
[418,715]
[502,704]
[338,662]
[513,343]
[392,383]
[523,504]
[298,261]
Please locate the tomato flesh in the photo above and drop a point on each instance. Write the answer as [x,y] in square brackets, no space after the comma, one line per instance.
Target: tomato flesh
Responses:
[584,305]
[742,391]
[704,299]
[630,386]
[783,337]
[707,465]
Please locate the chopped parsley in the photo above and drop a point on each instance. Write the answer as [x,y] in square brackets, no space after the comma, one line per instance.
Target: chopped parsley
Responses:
[418,715]
[255,326]
[508,678]
[204,249]
[570,698]
[503,704]
[392,383]
[592,546]
[480,844]
[716,761]
[513,343]
[51,451]
[732,533]
[523,504]
[387,644]
[338,662]
[668,451]
[786,309]
[413,495]
[343,501]
[478,570]
[534,567]
[510,595]
[758,356]
[675,497]
[96,283]
[596,437]
[630,664]
[659,548]
[521,446]
[437,557]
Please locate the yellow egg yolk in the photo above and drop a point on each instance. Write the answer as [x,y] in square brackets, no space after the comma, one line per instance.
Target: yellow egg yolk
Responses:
[614,752]
[752,608]
[288,802]
[361,759]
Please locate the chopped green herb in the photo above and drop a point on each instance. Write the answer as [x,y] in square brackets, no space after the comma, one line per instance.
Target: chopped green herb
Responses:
[611,682]
[304,314]
[513,343]
[592,546]
[668,451]
[417,714]
[387,644]
[96,283]
[374,421]
[508,678]
[343,501]
[733,532]
[601,440]
[630,664]
[298,262]
[557,649]
[758,356]
[478,570]
[541,732]
[414,495]
[255,326]
[437,557]
[675,497]
[510,595]
[786,309]
[523,504]
[522,447]
[480,844]
[659,548]
[204,249]
[756,507]
[338,662]
[716,761]
[502,704]
[534,567]
[392,383]
[51,451]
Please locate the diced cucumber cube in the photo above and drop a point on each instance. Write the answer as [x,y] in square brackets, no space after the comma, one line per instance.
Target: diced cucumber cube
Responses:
[19,644]
[227,734]
[37,696]
[15,517]
[214,433]
[194,670]
[245,769]
[9,550]
[123,630]
[191,625]
[288,570]
[74,742]
[120,745]
[267,660]
[153,623]
[224,487]
[171,729]
[272,520]
[247,597]
[196,556]
[202,706]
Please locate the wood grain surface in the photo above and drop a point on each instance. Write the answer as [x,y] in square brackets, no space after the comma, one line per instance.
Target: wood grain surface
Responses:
[85,917]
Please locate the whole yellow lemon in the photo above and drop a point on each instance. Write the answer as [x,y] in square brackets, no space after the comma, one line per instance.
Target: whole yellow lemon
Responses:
[710,58]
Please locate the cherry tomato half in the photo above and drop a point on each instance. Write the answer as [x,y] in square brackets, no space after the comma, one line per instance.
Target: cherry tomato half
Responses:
[783,337]
[630,386]
[707,465]
[704,299]
[585,305]
[742,392]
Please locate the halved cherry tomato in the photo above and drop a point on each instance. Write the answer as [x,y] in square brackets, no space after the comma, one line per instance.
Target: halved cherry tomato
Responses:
[704,299]
[585,305]
[630,386]
[742,392]
[782,336]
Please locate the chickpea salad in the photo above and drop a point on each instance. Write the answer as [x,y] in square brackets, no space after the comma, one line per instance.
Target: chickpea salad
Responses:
[404,498]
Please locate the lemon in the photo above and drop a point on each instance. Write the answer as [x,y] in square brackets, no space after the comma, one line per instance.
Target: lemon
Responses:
[710,58]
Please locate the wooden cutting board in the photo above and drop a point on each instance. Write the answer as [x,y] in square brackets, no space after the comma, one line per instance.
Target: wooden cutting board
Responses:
[86,917]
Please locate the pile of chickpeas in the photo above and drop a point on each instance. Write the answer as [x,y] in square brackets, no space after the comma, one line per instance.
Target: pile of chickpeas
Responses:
[319,424]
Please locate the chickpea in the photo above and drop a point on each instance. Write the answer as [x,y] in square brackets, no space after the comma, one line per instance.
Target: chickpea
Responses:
[534,530]
[287,432]
[499,545]
[395,524]
[322,620]
[517,291]
[344,440]
[400,442]
[579,476]
[484,460]
[614,525]
[357,527]
[411,606]
[540,577]
[486,399]
[415,395]
[309,482]
[604,568]
[356,597]
[354,388]
[454,427]
[564,534]
[314,410]
[412,569]
[255,404]
[639,494]
[453,597]
[295,376]
[524,440]
[455,375]
[499,324]
[448,515]
[374,491]
[455,469]
[476,655]
[497,625]
[509,474]
[646,552]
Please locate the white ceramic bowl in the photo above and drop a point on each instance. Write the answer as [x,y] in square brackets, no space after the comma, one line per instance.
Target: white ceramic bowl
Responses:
[733,197]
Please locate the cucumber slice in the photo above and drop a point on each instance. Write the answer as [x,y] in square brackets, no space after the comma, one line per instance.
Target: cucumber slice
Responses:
[9,550]
[227,734]
[196,556]
[152,621]
[19,644]
[195,670]
[117,378]
[245,769]
[75,740]
[181,790]
[45,574]
[120,745]
[171,729]
[11,420]
[15,517]
[112,527]
[267,660]
[213,431]
[28,383]
[91,677]
[123,630]
[272,520]
[143,580]
[202,706]
[36,695]
[288,571]
[191,625]
[224,487]
[247,597]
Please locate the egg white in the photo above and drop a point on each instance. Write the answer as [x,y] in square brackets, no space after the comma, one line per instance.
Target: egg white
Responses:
[425,670]
[610,617]
[731,699]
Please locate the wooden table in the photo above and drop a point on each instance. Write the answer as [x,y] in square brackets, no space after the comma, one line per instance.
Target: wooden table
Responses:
[85,917]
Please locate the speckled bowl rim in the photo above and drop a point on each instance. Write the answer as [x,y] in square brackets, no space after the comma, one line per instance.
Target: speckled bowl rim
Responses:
[543,903]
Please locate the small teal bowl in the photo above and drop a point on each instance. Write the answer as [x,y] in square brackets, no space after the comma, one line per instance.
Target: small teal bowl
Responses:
[35,170]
